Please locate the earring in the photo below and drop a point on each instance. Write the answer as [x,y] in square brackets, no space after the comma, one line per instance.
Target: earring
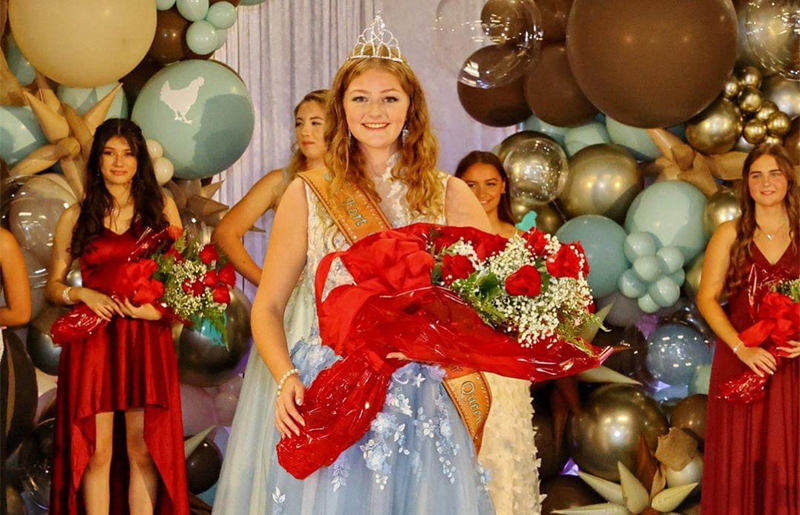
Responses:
[349,137]
[404,135]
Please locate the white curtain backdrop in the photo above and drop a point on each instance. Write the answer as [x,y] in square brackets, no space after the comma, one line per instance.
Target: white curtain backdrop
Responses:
[285,48]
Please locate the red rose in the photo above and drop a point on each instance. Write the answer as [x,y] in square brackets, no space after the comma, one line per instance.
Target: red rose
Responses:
[174,254]
[488,245]
[536,240]
[210,279]
[227,275]
[456,267]
[197,288]
[187,286]
[148,293]
[221,295]
[209,254]
[567,263]
[526,281]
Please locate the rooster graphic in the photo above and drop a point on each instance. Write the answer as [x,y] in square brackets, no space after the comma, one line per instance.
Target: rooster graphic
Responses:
[181,100]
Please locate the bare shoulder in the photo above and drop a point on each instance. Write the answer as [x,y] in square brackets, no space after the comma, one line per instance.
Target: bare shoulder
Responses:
[269,181]
[725,233]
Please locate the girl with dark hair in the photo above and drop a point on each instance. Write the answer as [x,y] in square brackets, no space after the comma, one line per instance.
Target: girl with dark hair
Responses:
[752,451]
[484,174]
[308,152]
[508,450]
[119,434]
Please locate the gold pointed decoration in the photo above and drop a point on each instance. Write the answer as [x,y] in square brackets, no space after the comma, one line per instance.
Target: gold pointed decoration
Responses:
[194,199]
[680,161]
[70,135]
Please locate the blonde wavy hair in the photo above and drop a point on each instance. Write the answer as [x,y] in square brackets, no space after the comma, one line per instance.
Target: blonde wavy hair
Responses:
[298,162]
[416,168]
[741,250]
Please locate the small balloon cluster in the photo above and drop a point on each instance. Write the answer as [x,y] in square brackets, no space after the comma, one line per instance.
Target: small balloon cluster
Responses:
[763,121]
[206,22]
[655,276]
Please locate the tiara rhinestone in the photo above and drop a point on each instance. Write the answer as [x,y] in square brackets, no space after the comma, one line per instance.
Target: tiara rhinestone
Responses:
[377,43]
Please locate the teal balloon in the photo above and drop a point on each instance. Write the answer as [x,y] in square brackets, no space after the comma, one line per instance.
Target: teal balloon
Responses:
[636,141]
[554,131]
[200,112]
[20,133]
[701,380]
[164,5]
[672,211]
[83,99]
[252,2]
[578,138]
[671,259]
[221,15]
[630,285]
[679,277]
[528,221]
[647,304]
[193,10]
[201,37]
[602,239]
[647,268]
[639,244]
[22,69]
[664,292]
[222,36]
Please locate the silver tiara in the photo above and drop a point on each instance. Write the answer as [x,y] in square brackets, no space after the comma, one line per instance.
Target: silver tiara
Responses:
[377,43]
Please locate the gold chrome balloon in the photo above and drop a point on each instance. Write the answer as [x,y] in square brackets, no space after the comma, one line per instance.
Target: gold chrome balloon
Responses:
[773,140]
[693,276]
[755,131]
[750,99]
[721,207]
[716,129]
[778,124]
[750,76]
[768,108]
[785,94]
[603,180]
[549,218]
[732,88]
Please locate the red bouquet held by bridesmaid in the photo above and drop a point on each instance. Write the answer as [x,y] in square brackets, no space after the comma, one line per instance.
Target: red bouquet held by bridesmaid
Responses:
[183,279]
[451,296]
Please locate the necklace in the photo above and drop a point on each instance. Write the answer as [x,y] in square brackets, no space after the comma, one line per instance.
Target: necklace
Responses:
[769,236]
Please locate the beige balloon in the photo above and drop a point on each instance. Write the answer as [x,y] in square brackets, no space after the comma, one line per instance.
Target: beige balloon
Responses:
[722,206]
[163,169]
[84,43]
[716,129]
[603,180]
[785,93]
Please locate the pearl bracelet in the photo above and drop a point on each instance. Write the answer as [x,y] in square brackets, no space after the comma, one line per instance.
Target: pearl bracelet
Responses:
[65,296]
[286,376]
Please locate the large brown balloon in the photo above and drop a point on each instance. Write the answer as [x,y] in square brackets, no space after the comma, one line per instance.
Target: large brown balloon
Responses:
[133,83]
[651,63]
[551,90]
[203,467]
[168,43]
[554,19]
[501,106]
[553,458]
[565,492]
[608,428]
[19,394]
[690,415]
[792,141]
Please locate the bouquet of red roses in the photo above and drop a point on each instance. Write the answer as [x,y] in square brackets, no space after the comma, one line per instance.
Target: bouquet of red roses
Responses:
[779,321]
[185,280]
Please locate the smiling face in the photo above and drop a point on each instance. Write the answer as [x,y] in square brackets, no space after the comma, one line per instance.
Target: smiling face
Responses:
[309,129]
[375,106]
[486,183]
[767,182]
[118,162]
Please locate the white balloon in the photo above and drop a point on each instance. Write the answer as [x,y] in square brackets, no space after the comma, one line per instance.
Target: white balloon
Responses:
[155,149]
[164,170]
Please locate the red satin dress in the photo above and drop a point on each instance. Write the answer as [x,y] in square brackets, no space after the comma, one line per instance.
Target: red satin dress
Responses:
[752,451]
[124,365]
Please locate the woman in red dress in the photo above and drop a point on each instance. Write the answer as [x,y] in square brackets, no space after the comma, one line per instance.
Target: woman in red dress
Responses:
[119,436]
[752,451]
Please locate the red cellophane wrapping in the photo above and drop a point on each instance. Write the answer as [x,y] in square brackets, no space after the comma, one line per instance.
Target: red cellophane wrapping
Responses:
[393,307]
[132,279]
[779,321]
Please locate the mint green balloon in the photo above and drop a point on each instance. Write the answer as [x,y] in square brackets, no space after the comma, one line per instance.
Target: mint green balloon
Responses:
[555,132]
[636,141]
[639,244]
[664,292]
[20,133]
[22,69]
[201,37]
[252,2]
[83,99]
[647,268]
[221,15]
[671,260]
[222,36]
[672,211]
[164,5]
[679,277]
[602,239]
[193,10]
[630,285]
[647,304]
[201,112]
[578,138]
